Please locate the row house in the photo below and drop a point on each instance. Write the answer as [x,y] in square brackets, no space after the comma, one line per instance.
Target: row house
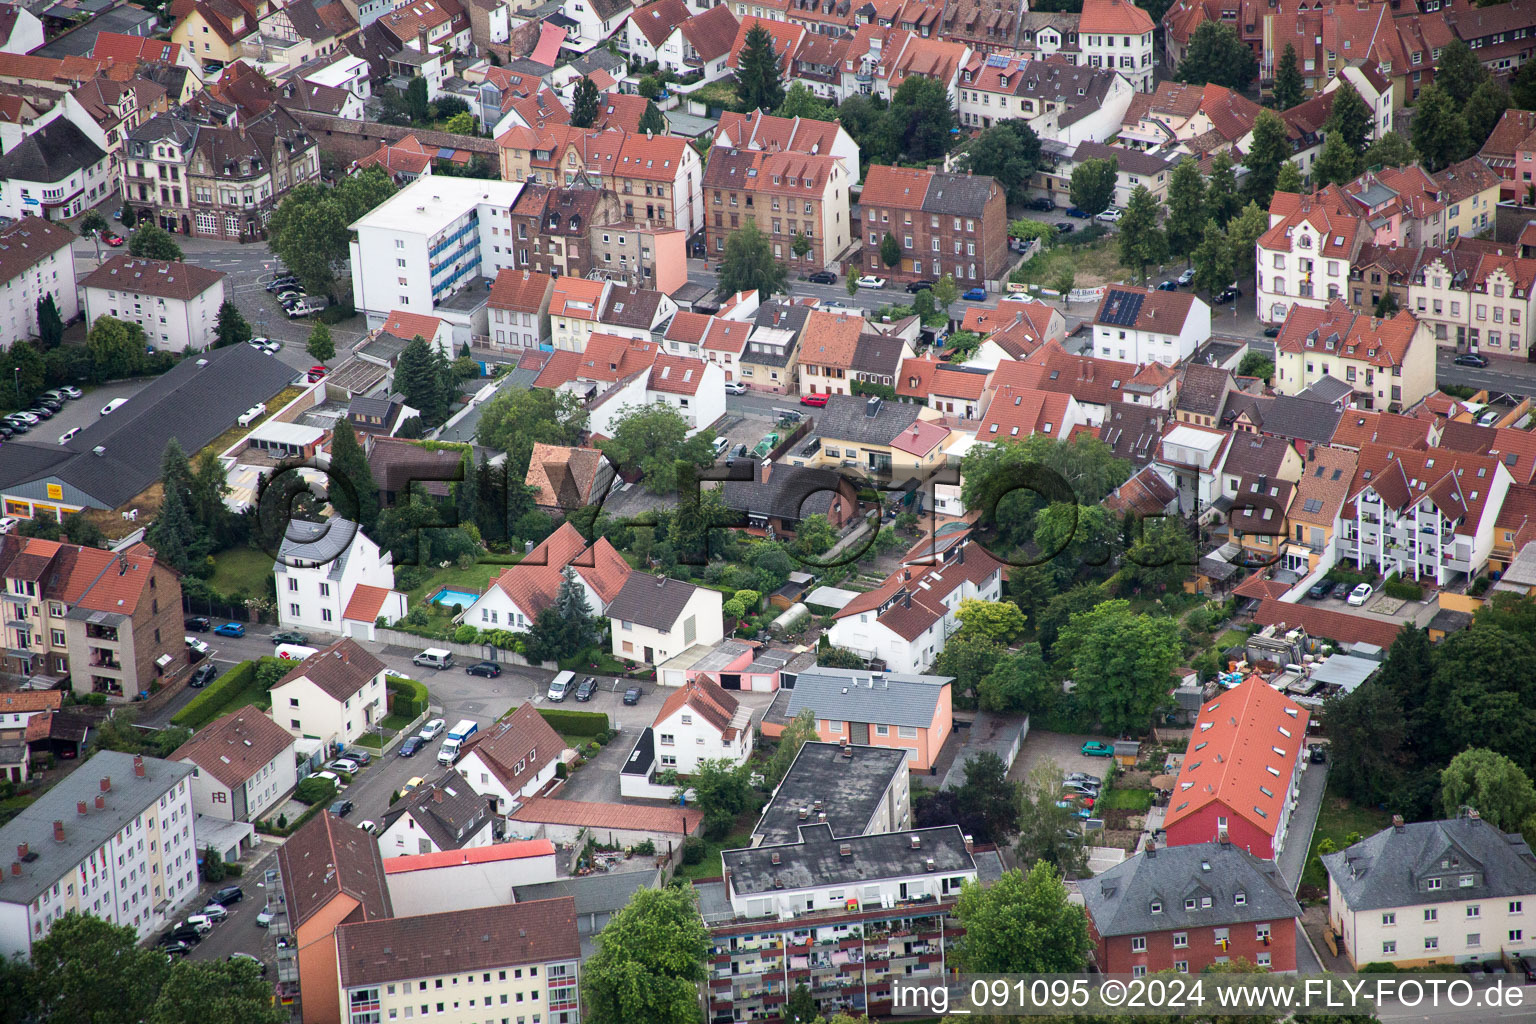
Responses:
[956,392]
[552,226]
[56,173]
[801,202]
[944,224]
[1425,515]
[827,352]
[878,357]
[1013,331]
[1510,152]
[1145,325]
[1388,364]
[1092,382]
[1475,297]
[766,132]
[302,31]
[716,339]
[1471,191]
[1304,259]
[1061,102]
[575,305]
[986,26]
[1379,271]
[649,27]
[1314,522]
[427,25]
[1405,206]
[770,361]
[212,31]
[518,309]
[213,180]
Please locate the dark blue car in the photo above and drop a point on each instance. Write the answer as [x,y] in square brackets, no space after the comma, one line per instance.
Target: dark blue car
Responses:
[1077,212]
[230,629]
[411,745]
[975,295]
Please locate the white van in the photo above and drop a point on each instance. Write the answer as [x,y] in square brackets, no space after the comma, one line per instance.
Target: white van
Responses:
[434,657]
[112,406]
[294,652]
[560,686]
[65,437]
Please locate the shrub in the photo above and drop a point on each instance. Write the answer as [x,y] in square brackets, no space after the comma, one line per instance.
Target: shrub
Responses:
[1480,586]
[408,697]
[693,850]
[465,634]
[576,723]
[211,703]
[561,771]
[213,866]
[644,849]
[315,791]
[1402,589]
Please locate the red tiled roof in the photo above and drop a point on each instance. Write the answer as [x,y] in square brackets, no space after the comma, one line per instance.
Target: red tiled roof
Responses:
[830,339]
[896,187]
[533,583]
[23,702]
[786,38]
[548,811]
[676,375]
[517,748]
[711,33]
[1339,331]
[236,746]
[1116,17]
[515,850]
[520,290]
[410,325]
[921,438]
[657,20]
[708,700]
[1020,412]
[365,603]
[1340,627]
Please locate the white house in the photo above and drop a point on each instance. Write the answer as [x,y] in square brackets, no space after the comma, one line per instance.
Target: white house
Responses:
[344,71]
[700,722]
[334,695]
[331,577]
[1373,88]
[1143,325]
[177,304]
[442,815]
[595,21]
[1433,892]
[1189,459]
[1305,257]
[243,764]
[23,29]
[1117,34]
[36,259]
[905,621]
[1061,102]
[512,760]
[57,172]
[694,388]
[655,617]
[649,27]
[514,598]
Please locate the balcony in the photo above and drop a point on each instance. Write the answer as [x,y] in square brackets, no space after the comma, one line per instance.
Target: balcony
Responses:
[107,633]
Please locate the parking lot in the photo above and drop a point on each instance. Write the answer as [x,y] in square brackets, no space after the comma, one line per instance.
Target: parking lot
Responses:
[82,412]
[1065,751]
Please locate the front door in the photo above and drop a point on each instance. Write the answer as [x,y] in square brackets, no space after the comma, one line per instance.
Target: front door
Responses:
[649,656]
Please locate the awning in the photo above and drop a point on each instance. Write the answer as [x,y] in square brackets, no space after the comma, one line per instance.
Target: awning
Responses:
[164,660]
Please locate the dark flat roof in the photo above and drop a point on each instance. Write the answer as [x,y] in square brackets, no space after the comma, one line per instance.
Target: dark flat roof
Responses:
[848,790]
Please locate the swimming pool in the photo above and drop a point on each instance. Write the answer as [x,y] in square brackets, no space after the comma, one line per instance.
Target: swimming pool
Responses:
[448,597]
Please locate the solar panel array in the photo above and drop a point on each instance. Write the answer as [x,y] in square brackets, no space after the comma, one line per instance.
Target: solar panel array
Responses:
[997,61]
[1122,308]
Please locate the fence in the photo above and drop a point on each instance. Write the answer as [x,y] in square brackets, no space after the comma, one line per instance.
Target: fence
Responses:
[479,652]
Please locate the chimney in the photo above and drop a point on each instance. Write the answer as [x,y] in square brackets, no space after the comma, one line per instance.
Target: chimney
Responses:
[805,813]
[970,844]
[1397,823]
[1151,849]
[101,803]
[906,600]
[1474,816]
[774,857]
[766,470]
[437,796]
[1222,837]
[821,819]
[138,765]
[917,842]
[906,574]
[929,865]
[962,554]
[58,831]
[16,868]
[421,41]
[106,783]
[845,850]
[21,851]
[81,807]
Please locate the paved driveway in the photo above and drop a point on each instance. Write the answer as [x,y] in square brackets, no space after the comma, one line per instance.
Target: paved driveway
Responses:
[1293,855]
[1065,751]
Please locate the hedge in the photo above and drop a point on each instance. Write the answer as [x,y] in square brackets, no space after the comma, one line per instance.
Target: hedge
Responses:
[410,697]
[576,723]
[217,697]
[1402,589]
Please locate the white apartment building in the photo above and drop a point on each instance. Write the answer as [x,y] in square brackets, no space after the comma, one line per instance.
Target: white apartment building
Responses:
[1304,258]
[1471,301]
[57,172]
[113,840]
[1117,34]
[429,242]
[242,763]
[1143,325]
[335,695]
[700,722]
[176,304]
[1433,892]
[36,259]
[331,577]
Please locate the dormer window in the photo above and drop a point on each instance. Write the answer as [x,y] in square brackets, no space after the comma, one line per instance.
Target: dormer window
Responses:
[1433,884]
[1157,906]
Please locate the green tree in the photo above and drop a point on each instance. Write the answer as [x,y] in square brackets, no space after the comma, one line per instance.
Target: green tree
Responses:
[116,348]
[1490,784]
[309,232]
[231,328]
[1243,234]
[800,1008]
[968,659]
[358,498]
[649,86]
[1063,281]
[1288,86]
[1093,185]
[153,243]
[890,252]
[28,370]
[1187,213]
[1121,662]
[749,264]
[1337,164]
[649,962]
[1048,834]
[801,102]
[1386,306]
[1221,195]
[1142,241]
[758,82]
[1523,87]
[1391,150]
[128,218]
[172,532]
[723,791]
[585,102]
[1484,109]
[515,420]
[998,621]
[463,123]
[800,731]
[653,439]
[1161,555]
[1213,261]
[581,626]
[1270,149]
[995,476]
[89,971]
[945,293]
[18,1000]
[1351,119]
[1458,72]
[917,124]
[1018,684]
[320,346]
[1256,364]
[93,223]
[216,992]
[1218,56]
[1439,128]
[1289,179]
[1009,151]
[652,122]
[416,104]
[50,325]
[81,530]
[419,380]
[1021,924]
[801,246]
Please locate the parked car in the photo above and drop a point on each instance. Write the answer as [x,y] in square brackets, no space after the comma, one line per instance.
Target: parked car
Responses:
[227,895]
[197,624]
[261,964]
[433,729]
[1097,748]
[264,918]
[112,238]
[42,412]
[359,755]
[1489,417]
[735,387]
[1272,331]
[975,295]
[1082,777]
[304,307]
[823,277]
[1041,203]
[341,808]
[412,784]
[1187,278]
[1077,212]
[488,669]
[1317,753]
[344,764]
[29,418]
[198,648]
[871,281]
[1470,359]
[1229,295]
[411,745]
[1341,590]
[913,287]
[330,777]
[1110,216]
[1360,594]
[187,934]
[8,524]
[1065,227]
[1082,789]
[369,826]
[632,695]
[272,348]
[71,392]
[202,922]
[204,675]
[284,283]
[814,400]
[174,947]
[214,913]
[1168,286]
[230,629]
[289,636]
[587,688]
[1321,589]
[18,426]
[1081,812]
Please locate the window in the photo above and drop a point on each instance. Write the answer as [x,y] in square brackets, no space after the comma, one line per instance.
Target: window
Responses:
[1516,935]
[1138,944]
[1474,938]
[1516,906]
[1389,947]
[1430,942]
[1431,914]
[1180,940]
[882,730]
[1389,918]
[1433,884]
[1475,910]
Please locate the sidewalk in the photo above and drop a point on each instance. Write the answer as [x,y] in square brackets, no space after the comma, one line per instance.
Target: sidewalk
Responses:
[1293,855]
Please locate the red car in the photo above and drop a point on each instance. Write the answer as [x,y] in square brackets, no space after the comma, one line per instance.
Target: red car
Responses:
[113,240]
[317,373]
[816,400]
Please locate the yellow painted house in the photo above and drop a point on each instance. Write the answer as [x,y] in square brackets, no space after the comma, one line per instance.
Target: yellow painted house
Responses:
[212,30]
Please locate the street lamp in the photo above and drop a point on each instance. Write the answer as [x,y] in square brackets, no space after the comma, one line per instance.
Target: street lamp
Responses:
[18,385]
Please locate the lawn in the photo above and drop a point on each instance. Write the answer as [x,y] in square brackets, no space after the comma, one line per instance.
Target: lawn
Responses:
[1092,265]
[717,94]
[476,577]
[1231,638]
[710,867]
[241,568]
[1137,800]
[1336,819]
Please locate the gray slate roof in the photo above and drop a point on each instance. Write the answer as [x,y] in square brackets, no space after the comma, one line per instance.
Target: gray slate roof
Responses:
[325,543]
[447,810]
[790,493]
[52,153]
[1120,900]
[654,601]
[847,418]
[853,695]
[848,790]
[1285,416]
[1326,389]
[128,797]
[961,195]
[594,894]
[815,860]
[1393,867]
